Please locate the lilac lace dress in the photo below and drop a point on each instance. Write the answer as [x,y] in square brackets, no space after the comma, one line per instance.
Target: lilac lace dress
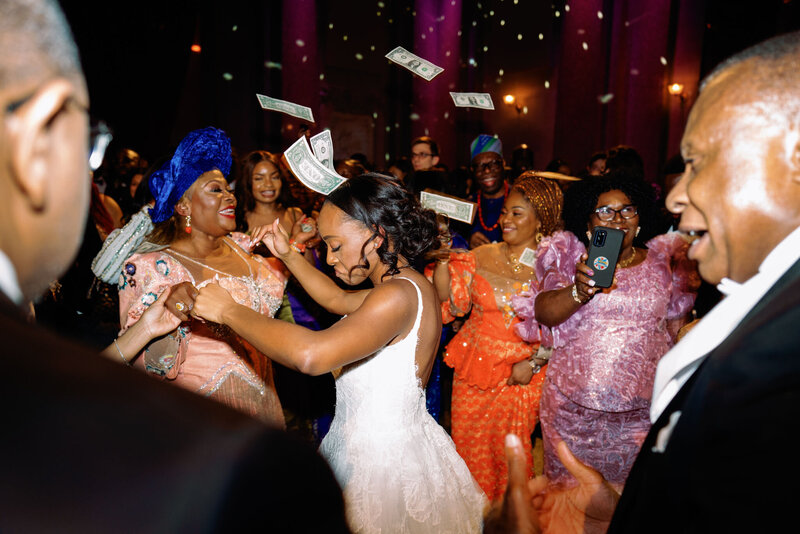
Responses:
[599,382]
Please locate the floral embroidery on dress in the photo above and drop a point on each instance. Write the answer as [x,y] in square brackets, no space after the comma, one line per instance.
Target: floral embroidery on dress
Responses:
[149,298]
[162,268]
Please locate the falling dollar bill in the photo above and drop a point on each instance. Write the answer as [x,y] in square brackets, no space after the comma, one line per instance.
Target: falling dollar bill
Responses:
[290,108]
[473,100]
[528,257]
[322,146]
[421,67]
[455,208]
[309,170]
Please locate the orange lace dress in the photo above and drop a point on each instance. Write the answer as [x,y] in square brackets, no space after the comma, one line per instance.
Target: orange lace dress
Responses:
[484,408]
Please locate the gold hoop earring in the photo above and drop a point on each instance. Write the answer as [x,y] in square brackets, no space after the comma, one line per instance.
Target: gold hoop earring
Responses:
[539,237]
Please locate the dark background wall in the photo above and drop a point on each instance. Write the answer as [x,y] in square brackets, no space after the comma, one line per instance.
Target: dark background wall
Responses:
[587,75]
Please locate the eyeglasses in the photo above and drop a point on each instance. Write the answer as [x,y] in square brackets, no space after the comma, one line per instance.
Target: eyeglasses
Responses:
[420,155]
[607,213]
[493,165]
[99,138]
[99,135]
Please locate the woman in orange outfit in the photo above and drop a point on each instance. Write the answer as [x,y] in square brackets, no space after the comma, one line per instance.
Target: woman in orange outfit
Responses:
[497,379]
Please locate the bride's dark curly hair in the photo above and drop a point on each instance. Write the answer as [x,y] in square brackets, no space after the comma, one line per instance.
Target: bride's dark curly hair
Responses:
[383,205]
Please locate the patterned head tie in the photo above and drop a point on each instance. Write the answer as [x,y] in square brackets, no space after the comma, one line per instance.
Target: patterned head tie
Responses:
[201,151]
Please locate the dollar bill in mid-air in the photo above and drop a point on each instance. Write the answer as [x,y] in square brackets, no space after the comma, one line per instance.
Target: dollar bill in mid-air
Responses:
[421,67]
[473,100]
[309,170]
[454,208]
[290,108]
[322,146]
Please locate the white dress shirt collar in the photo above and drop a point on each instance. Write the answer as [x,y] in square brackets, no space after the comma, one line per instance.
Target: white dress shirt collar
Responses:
[8,280]
[678,364]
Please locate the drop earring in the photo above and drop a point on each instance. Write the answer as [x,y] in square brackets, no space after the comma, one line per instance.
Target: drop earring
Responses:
[188,228]
[638,229]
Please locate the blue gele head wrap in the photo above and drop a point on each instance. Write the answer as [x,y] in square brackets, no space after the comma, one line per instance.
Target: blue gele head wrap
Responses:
[486,143]
[201,151]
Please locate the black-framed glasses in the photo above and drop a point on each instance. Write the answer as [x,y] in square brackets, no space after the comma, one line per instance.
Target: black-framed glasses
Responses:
[494,165]
[607,213]
[420,155]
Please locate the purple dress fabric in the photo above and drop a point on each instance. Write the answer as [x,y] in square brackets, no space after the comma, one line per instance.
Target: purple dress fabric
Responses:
[599,382]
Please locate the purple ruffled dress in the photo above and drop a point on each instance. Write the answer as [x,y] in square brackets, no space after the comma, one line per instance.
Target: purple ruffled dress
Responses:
[599,382]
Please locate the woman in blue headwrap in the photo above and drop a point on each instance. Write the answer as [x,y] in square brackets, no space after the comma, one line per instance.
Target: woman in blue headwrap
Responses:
[190,246]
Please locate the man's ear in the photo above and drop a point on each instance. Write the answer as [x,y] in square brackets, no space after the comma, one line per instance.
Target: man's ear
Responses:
[435,160]
[32,140]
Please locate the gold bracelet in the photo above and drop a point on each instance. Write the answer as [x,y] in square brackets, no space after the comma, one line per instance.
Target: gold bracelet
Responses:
[575,296]
[120,353]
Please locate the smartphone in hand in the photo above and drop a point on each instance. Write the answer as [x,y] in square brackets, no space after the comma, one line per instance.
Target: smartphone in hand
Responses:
[604,249]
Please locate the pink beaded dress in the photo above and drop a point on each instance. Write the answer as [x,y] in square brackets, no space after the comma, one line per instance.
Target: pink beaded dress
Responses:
[210,360]
[599,380]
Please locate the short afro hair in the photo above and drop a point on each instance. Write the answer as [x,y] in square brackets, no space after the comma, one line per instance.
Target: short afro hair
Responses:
[580,202]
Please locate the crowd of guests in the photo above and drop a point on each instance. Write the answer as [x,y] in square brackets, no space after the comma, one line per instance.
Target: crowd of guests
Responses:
[205,305]
[534,348]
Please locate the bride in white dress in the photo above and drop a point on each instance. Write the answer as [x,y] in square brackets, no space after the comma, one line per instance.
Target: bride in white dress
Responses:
[398,468]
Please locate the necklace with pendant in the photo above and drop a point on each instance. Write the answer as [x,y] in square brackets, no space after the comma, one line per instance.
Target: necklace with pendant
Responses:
[513,260]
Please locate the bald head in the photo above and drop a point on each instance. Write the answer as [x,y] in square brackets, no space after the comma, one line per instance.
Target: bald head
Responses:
[36,43]
[766,75]
[740,191]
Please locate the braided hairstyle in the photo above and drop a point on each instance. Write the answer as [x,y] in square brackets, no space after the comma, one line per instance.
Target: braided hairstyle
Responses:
[546,198]
[581,200]
[383,205]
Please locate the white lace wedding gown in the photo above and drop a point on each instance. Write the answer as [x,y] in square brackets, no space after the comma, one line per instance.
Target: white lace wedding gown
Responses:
[399,469]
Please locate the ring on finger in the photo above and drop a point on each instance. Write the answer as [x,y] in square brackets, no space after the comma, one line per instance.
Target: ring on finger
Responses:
[180,306]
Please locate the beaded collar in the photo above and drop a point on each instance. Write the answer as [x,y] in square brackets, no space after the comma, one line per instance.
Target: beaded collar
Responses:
[480,213]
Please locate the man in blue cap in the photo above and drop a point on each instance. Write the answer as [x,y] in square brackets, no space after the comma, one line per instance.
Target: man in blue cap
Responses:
[488,169]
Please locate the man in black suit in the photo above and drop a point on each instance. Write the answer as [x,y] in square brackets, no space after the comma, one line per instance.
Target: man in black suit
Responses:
[721,455]
[89,445]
